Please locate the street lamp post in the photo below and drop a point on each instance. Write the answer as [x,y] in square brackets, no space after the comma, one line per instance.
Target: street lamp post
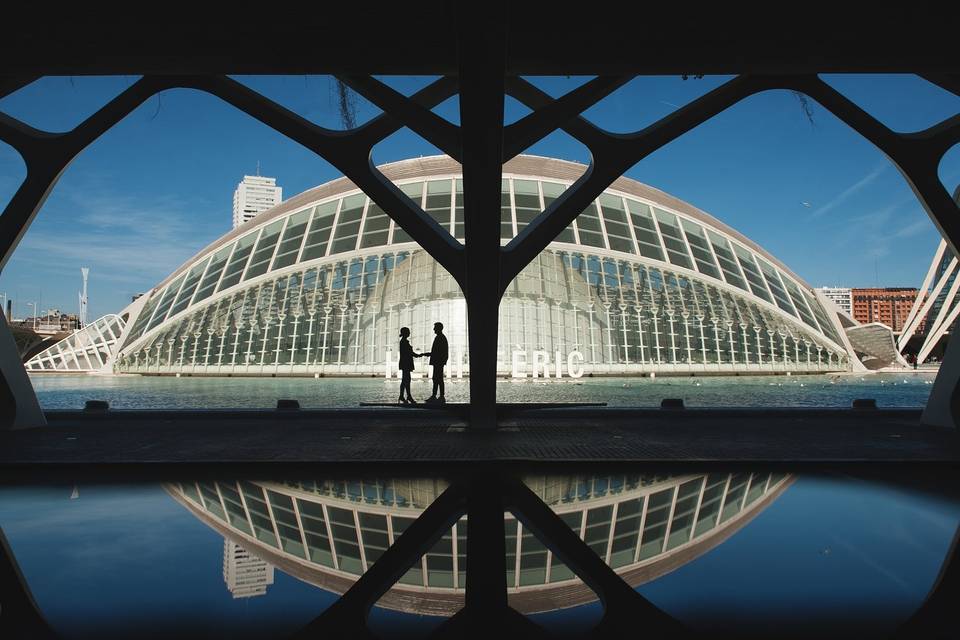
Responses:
[34,305]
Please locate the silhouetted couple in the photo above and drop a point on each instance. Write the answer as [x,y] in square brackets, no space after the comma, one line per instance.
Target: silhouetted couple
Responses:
[438,358]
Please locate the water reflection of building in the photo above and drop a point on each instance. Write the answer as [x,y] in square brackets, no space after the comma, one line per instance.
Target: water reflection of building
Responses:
[245,574]
[327,533]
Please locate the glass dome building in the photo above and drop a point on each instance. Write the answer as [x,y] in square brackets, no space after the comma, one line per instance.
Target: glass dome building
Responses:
[639,283]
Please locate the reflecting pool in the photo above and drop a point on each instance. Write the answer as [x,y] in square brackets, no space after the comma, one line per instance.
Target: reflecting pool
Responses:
[133,392]
[739,551]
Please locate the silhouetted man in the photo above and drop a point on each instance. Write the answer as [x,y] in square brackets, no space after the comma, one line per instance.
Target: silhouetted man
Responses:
[438,358]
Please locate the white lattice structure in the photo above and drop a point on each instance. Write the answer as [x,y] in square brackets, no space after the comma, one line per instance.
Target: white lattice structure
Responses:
[941,286]
[87,349]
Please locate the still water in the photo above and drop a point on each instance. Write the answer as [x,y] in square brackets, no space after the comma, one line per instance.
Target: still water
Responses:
[136,392]
[732,552]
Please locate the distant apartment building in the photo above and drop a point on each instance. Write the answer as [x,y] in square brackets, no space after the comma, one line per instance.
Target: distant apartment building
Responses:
[840,296]
[890,305]
[254,195]
[245,574]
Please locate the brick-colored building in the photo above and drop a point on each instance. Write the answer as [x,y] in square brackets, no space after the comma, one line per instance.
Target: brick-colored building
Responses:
[890,305]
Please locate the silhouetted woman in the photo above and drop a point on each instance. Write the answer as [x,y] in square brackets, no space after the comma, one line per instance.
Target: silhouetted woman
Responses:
[406,366]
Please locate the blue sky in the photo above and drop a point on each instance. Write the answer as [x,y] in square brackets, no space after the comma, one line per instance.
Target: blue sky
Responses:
[158,186]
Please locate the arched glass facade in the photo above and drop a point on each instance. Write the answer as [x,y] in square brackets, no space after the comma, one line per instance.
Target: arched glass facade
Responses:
[322,285]
[341,527]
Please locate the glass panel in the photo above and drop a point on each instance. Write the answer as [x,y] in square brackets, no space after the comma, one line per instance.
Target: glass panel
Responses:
[259,514]
[615,222]
[626,532]
[348,224]
[734,500]
[597,532]
[588,224]
[235,511]
[462,552]
[510,535]
[438,202]
[376,227]
[506,215]
[440,562]
[168,295]
[211,500]
[682,524]
[710,504]
[647,237]
[773,281]
[526,200]
[292,239]
[826,326]
[212,276]
[414,191]
[189,286]
[315,531]
[701,250]
[533,559]
[262,255]
[552,191]
[238,260]
[376,540]
[558,570]
[799,303]
[672,239]
[315,245]
[415,574]
[752,273]
[758,484]
[190,490]
[345,542]
[655,527]
[287,525]
[727,261]
[458,211]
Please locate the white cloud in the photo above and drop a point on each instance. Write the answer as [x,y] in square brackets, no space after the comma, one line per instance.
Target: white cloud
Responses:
[850,191]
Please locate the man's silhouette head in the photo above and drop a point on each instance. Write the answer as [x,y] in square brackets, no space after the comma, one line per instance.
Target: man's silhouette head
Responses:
[438,328]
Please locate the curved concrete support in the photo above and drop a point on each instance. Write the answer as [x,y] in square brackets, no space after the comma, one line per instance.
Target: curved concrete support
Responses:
[19,408]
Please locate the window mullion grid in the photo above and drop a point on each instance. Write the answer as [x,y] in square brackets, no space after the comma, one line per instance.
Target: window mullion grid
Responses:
[603,224]
[303,535]
[673,507]
[513,208]
[643,523]
[633,232]
[276,247]
[333,544]
[613,528]
[333,226]
[253,251]
[356,523]
[363,224]
[696,512]
[519,529]
[246,509]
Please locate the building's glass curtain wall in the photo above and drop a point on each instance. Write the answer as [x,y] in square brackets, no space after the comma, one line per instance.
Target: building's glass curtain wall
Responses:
[340,527]
[628,287]
[87,349]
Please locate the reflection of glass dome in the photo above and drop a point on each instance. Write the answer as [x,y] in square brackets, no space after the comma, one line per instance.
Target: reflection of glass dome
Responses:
[639,282]
[328,533]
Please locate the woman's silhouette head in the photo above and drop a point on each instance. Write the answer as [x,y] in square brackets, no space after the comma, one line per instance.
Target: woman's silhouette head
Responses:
[404,332]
